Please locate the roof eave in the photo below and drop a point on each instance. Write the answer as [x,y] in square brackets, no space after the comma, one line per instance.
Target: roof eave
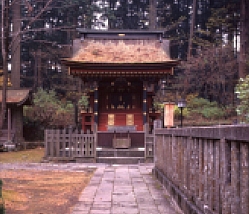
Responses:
[25,101]
[13,101]
[75,64]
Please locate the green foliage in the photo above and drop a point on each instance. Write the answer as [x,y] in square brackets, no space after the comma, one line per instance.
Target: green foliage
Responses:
[83,102]
[177,112]
[49,111]
[242,91]
[198,103]
[204,108]
[212,112]
[45,99]
[158,105]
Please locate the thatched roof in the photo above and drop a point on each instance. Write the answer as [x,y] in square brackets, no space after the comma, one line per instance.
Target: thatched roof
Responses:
[121,51]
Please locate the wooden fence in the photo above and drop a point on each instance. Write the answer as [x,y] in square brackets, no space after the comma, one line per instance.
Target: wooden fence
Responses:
[68,145]
[205,169]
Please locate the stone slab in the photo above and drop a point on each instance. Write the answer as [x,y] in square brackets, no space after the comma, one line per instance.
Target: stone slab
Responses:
[120,189]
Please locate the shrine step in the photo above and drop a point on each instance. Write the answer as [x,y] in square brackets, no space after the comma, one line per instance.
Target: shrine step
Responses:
[120,160]
[109,152]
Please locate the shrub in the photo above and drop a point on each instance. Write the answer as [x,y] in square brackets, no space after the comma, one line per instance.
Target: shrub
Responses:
[205,108]
[242,91]
[177,112]
[49,111]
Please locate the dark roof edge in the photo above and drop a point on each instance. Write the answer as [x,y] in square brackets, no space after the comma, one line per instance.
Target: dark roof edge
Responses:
[149,65]
[27,98]
[120,34]
[83,30]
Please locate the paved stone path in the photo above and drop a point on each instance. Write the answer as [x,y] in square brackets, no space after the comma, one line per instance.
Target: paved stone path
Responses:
[121,189]
[125,189]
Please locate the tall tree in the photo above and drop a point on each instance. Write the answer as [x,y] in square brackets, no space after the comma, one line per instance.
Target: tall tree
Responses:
[153,15]
[50,38]
[16,46]
[191,31]
[244,39]
[211,74]
[129,14]
[5,53]
[7,46]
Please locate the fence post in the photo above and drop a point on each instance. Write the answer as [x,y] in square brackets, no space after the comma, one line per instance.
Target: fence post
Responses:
[235,177]
[52,144]
[70,141]
[185,157]
[244,178]
[57,142]
[211,174]
[63,142]
[225,177]
[194,168]
[81,145]
[217,177]
[202,157]
[46,143]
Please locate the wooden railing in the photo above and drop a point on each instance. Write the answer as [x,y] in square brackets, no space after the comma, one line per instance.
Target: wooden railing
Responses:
[67,144]
[205,169]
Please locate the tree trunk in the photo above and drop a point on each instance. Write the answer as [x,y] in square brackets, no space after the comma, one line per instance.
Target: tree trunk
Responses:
[152,15]
[5,48]
[244,39]
[191,32]
[15,49]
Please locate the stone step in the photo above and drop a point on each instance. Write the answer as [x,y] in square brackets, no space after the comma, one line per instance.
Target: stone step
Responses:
[133,152]
[120,160]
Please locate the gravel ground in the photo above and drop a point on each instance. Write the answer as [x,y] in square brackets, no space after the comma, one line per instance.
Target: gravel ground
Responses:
[71,167]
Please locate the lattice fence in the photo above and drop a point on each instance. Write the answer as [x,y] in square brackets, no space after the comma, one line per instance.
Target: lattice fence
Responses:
[69,144]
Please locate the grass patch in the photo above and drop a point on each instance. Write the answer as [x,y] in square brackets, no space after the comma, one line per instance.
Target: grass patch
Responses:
[26,156]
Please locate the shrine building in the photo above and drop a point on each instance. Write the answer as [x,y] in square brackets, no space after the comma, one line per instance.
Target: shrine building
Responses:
[122,69]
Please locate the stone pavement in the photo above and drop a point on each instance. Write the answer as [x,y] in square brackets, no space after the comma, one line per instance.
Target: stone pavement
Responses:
[120,189]
[124,189]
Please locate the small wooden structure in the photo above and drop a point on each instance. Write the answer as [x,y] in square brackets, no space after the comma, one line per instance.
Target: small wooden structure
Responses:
[122,69]
[15,100]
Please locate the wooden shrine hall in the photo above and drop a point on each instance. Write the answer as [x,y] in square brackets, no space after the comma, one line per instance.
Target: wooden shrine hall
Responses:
[122,69]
